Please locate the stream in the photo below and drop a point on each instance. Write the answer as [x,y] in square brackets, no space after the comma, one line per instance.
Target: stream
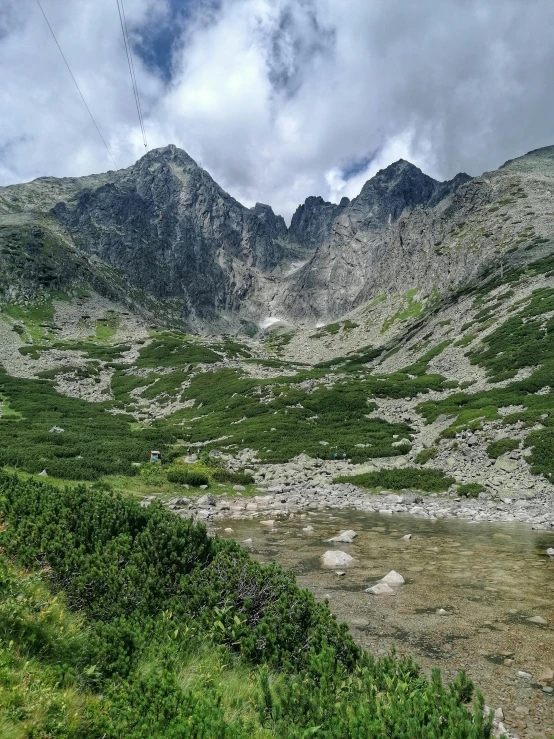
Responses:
[488,579]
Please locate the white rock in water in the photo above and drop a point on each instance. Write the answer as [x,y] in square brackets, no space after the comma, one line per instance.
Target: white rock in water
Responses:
[550,551]
[380,589]
[308,529]
[393,578]
[538,620]
[336,559]
[247,541]
[267,523]
[345,537]
[228,530]
[442,612]
[407,537]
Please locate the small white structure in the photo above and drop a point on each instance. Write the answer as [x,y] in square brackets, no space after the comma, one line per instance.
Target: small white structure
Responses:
[155,456]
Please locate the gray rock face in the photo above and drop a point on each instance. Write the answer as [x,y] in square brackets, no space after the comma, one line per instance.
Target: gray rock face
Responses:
[311,223]
[204,251]
[163,230]
[406,231]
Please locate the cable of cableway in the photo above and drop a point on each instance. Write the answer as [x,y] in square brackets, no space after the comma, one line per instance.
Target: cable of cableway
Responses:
[75,81]
[128,50]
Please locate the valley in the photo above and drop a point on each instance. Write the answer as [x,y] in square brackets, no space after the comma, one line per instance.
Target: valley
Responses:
[384,364]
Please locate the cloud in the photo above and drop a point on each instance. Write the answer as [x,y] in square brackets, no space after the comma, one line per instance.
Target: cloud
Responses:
[280,99]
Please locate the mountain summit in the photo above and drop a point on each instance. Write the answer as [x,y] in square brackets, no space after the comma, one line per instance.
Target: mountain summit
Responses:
[163,232]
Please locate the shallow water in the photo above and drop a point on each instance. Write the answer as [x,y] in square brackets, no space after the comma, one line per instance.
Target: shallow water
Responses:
[489,578]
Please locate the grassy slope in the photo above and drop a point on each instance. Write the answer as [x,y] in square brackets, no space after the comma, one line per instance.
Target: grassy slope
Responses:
[175,633]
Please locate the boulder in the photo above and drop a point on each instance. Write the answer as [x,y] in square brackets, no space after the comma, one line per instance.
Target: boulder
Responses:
[538,620]
[380,589]
[336,559]
[506,464]
[406,537]
[546,676]
[345,537]
[393,578]
[206,501]
[269,522]
[550,551]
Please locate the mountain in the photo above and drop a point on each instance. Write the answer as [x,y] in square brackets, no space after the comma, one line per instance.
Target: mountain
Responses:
[163,237]
[405,231]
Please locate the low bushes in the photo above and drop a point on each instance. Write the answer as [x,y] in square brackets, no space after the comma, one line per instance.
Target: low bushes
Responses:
[427,480]
[182,476]
[151,588]
[470,489]
[498,448]
[94,442]
[425,455]
[239,478]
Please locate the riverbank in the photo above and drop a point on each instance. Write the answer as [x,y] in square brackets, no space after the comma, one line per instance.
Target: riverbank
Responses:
[535,510]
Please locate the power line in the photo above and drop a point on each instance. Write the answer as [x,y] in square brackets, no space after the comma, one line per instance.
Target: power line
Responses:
[128,50]
[75,81]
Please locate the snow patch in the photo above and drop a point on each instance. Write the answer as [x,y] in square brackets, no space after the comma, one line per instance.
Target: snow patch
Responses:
[269,321]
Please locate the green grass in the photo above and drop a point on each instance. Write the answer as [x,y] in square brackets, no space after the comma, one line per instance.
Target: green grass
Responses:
[426,480]
[276,340]
[37,318]
[412,310]
[106,327]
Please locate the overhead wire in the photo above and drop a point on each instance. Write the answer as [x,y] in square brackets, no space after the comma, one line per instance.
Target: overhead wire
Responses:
[128,50]
[75,81]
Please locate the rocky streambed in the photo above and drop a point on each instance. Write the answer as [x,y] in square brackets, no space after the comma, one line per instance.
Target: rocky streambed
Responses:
[478,591]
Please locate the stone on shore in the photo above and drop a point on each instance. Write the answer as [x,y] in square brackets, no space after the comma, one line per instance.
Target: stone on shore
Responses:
[345,537]
[393,578]
[538,620]
[336,559]
[380,589]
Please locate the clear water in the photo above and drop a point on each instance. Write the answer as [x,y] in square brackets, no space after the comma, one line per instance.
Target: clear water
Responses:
[490,578]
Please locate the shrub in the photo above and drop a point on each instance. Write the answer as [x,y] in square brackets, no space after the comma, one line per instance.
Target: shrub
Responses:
[398,479]
[151,587]
[470,489]
[425,455]
[240,478]
[182,476]
[502,446]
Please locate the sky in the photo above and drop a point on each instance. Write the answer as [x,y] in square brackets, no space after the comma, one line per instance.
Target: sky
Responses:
[278,99]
